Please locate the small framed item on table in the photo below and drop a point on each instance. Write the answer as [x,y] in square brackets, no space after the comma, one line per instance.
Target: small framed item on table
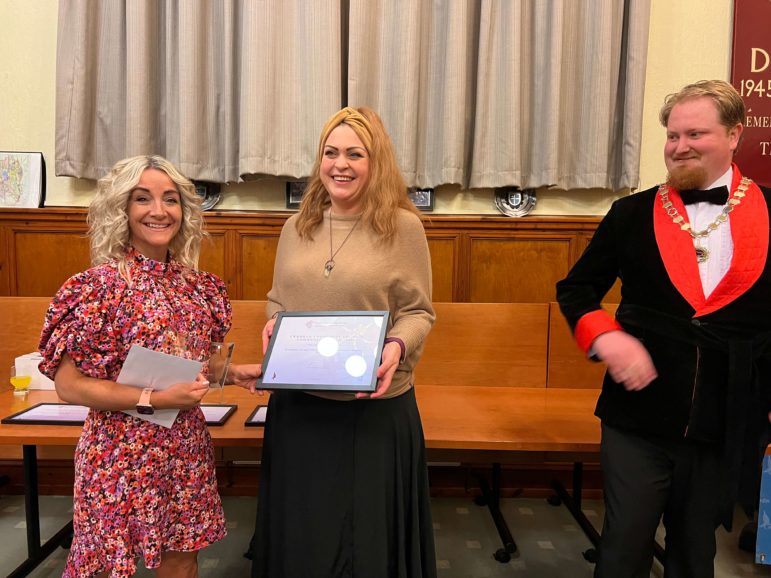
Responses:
[69,414]
[217,414]
[325,350]
[49,414]
[257,417]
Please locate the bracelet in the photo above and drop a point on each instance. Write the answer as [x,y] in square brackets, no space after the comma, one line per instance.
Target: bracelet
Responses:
[401,345]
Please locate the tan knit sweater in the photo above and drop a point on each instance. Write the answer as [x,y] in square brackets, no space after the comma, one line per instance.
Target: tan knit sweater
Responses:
[368,275]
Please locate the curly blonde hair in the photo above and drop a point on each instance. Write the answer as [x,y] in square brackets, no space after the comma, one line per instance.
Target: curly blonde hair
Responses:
[108,218]
[385,191]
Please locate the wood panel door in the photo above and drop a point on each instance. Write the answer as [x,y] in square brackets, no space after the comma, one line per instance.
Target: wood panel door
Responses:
[44,260]
[444,266]
[212,258]
[516,269]
[258,255]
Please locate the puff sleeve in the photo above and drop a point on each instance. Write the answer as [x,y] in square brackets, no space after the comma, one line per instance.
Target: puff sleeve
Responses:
[215,294]
[78,323]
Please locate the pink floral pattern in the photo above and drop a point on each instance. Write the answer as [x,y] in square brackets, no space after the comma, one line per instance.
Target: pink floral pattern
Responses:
[140,488]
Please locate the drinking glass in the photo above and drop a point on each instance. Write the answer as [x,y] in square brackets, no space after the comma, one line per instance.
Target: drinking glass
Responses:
[20,383]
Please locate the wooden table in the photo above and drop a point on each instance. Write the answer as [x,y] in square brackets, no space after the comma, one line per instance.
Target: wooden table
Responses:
[495,425]
[232,433]
[468,424]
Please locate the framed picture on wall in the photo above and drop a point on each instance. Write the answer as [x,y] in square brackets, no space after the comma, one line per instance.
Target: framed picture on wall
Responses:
[22,179]
[294,193]
[423,199]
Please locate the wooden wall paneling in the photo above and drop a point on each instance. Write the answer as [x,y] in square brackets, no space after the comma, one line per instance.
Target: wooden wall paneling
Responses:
[474,257]
[45,259]
[5,260]
[212,257]
[444,266]
[581,242]
[518,268]
[462,288]
[233,259]
[259,255]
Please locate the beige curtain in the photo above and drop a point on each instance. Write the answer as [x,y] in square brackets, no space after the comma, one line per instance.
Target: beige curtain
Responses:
[221,87]
[490,93]
[415,64]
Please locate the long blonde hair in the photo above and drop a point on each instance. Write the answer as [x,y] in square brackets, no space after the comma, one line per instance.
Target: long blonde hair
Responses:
[108,218]
[385,191]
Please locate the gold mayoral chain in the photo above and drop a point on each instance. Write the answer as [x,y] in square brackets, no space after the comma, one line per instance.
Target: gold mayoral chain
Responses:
[702,253]
[330,264]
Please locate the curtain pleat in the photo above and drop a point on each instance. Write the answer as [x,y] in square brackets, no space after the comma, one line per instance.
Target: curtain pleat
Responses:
[415,63]
[231,88]
[291,83]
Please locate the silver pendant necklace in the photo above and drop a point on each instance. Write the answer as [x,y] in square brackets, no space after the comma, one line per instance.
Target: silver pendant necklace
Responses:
[330,264]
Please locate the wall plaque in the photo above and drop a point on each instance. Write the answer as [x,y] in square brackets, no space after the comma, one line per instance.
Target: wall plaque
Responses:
[751,75]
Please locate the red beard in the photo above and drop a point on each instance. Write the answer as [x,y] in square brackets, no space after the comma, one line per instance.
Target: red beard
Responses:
[683,178]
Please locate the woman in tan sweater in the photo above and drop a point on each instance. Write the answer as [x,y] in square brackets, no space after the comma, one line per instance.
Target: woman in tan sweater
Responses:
[344,485]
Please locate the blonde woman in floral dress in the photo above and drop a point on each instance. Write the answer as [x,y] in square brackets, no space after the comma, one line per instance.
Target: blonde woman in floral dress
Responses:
[141,490]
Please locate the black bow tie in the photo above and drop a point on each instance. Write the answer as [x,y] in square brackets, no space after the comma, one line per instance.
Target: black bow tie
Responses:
[716,196]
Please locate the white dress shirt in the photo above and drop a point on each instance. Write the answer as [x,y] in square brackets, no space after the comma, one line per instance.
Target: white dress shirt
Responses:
[719,243]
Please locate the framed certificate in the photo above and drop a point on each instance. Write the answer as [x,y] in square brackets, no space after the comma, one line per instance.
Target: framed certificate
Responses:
[257,417]
[216,414]
[50,414]
[325,350]
[68,414]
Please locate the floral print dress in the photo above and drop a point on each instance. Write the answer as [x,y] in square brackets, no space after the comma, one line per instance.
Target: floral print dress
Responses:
[140,488]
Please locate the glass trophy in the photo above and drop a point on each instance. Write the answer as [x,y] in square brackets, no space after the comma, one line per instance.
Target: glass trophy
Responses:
[220,355]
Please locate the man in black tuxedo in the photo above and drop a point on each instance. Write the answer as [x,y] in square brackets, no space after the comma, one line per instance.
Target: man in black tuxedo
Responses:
[684,403]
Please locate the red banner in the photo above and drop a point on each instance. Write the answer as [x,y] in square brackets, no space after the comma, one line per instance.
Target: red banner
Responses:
[751,76]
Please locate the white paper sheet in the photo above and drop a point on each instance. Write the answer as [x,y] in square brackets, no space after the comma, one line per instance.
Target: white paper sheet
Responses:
[147,368]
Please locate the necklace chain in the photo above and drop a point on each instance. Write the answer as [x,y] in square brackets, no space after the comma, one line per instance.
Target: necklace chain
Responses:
[330,264]
[677,218]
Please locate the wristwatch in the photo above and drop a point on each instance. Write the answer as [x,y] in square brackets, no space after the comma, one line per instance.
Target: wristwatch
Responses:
[143,405]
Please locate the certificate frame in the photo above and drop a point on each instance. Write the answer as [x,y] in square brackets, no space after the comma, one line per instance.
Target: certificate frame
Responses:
[73,416]
[226,410]
[325,351]
[423,199]
[255,419]
[22,179]
[294,193]
[71,419]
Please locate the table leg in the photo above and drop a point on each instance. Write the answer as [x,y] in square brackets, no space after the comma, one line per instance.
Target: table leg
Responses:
[31,501]
[36,552]
[492,497]
[573,504]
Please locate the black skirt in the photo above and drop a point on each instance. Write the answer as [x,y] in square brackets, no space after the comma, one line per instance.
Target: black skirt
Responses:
[343,490]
